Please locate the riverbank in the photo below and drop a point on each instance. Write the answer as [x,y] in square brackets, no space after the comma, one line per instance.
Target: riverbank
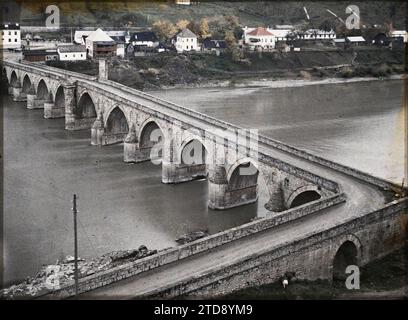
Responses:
[386,278]
[196,70]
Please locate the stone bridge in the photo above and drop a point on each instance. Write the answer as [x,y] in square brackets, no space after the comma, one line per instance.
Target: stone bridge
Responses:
[324,216]
[188,145]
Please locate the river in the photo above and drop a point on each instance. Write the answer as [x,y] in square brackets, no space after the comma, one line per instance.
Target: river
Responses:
[122,206]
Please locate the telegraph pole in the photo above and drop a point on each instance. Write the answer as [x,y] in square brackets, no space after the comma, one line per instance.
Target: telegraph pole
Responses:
[74,209]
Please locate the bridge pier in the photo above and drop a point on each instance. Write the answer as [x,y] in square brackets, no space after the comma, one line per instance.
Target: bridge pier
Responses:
[18,95]
[217,187]
[51,111]
[97,131]
[132,150]
[70,104]
[276,200]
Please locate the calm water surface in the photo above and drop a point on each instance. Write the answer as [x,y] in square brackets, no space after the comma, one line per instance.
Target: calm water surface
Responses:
[122,206]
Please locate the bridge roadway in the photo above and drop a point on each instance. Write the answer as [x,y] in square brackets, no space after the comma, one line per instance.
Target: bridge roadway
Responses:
[362,198]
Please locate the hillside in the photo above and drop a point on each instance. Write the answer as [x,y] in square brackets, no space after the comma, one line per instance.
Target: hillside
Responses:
[144,13]
[167,70]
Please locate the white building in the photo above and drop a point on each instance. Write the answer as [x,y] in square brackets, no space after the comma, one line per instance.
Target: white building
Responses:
[317,34]
[259,38]
[400,34]
[186,40]
[10,36]
[81,35]
[72,53]
[144,38]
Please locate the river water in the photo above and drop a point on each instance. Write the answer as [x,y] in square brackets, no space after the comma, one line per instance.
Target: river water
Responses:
[122,206]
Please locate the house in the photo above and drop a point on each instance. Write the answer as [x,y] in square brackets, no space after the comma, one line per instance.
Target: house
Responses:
[356,40]
[120,45]
[259,38]
[72,52]
[401,34]
[339,42]
[185,40]
[317,34]
[39,55]
[10,36]
[213,45]
[100,45]
[81,35]
[161,47]
[144,38]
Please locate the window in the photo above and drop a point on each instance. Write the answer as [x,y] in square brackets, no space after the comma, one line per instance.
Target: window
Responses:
[9,40]
[65,56]
[74,55]
[15,40]
[9,33]
[15,33]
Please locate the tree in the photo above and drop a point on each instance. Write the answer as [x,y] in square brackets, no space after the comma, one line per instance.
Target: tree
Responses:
[194,27]
[204,29]
[327,25]
[231,44]
[232,22]
[182,24]
[164,29]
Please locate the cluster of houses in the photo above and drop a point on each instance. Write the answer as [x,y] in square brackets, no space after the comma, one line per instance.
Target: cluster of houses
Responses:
[100,44]
[97,44]
[268,39]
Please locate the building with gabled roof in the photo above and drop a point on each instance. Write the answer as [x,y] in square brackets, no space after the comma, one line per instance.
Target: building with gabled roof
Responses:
[186,40]
[100,45]
[72,52]
[10,36]
[259,38]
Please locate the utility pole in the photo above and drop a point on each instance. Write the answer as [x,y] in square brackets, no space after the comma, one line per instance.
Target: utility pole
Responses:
[74,210]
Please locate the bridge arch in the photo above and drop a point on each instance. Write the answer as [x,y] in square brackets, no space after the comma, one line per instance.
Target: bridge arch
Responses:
[348,253]
[243,174]
[303,195]
[60,97]
[86,107]
[13,78]
[42,90]
[151,135]
[193,151]
[116,125]
[26,84]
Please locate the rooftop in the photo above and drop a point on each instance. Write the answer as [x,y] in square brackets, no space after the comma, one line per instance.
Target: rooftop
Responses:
[99,36]
[144,36]
[10,26]
[260,31]
[72,48]
[186,33]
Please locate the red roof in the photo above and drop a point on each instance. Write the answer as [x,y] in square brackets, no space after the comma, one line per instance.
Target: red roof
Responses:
[260,32]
